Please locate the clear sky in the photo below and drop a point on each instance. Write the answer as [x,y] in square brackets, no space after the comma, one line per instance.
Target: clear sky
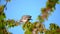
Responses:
[17,8]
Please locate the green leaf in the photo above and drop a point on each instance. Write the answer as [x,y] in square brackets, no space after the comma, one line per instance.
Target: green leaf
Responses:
[58,2]
[28,32]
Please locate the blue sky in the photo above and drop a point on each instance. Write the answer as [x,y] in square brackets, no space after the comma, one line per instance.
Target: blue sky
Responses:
[17,8]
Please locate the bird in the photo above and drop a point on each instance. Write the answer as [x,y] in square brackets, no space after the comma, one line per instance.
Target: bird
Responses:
[25,18]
